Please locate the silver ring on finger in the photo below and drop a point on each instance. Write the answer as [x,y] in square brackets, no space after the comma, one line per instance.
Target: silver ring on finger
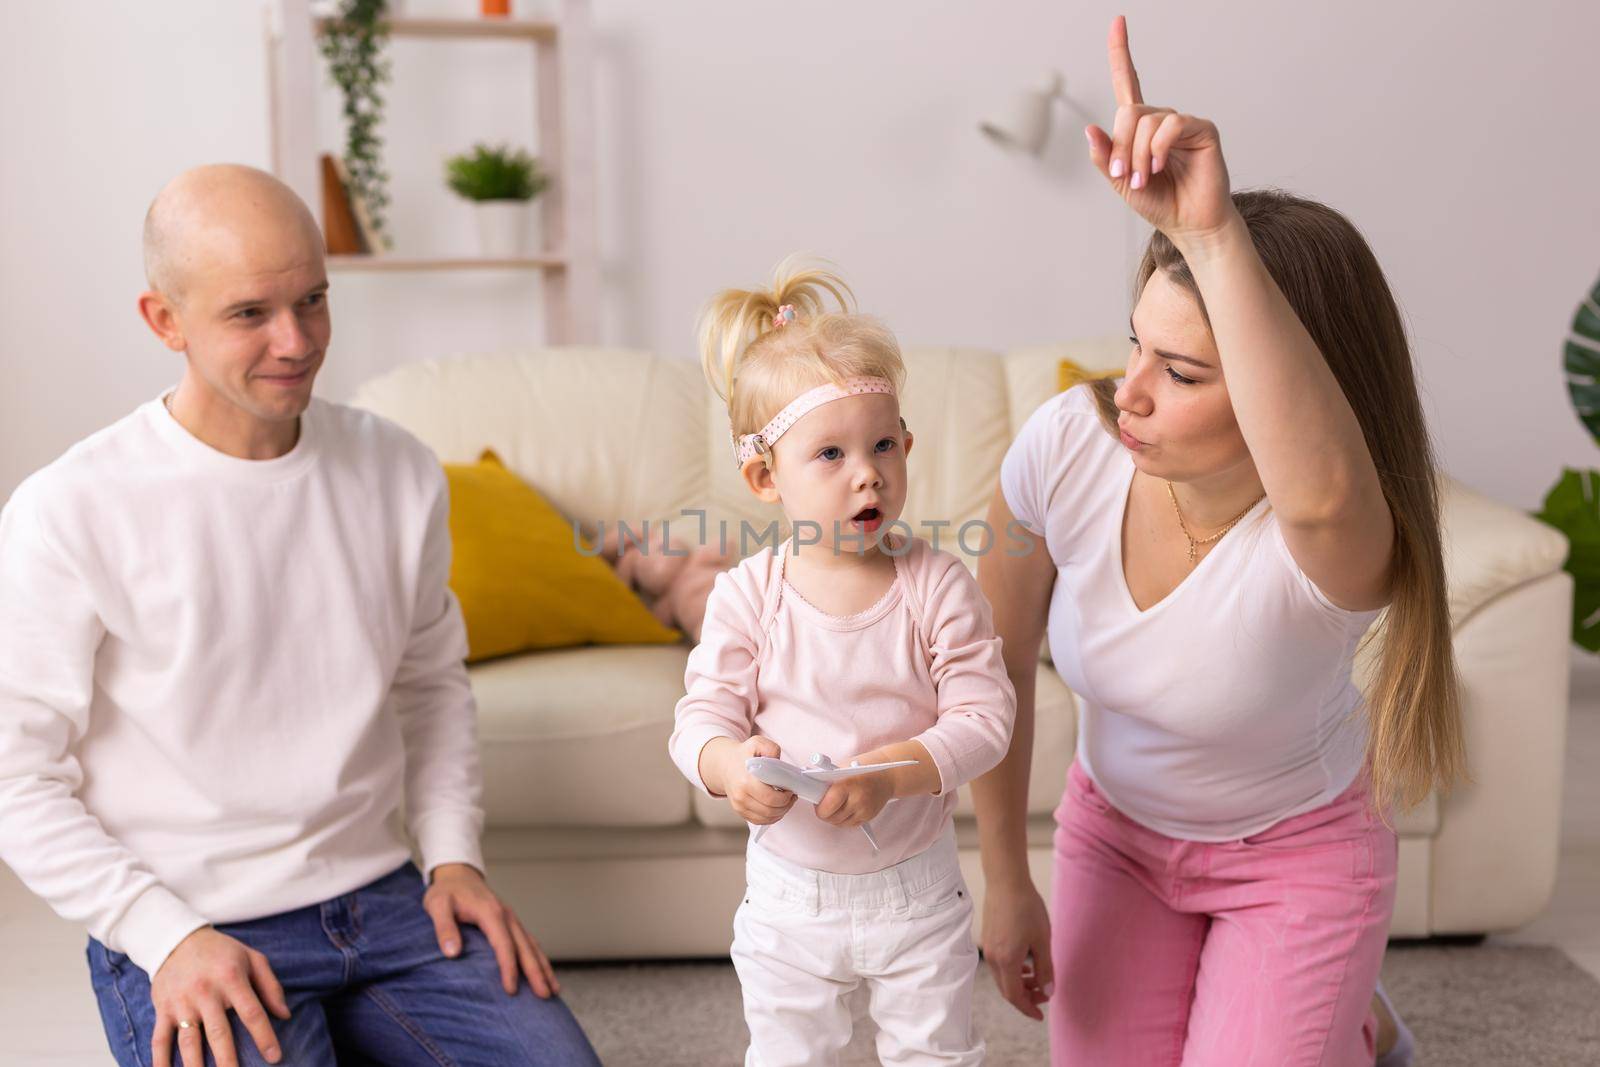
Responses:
[185,1024]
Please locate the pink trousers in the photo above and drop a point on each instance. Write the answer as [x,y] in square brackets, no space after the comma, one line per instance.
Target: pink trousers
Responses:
[1261,952]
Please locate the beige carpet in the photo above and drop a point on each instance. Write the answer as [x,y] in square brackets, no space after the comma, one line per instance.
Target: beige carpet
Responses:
[1481,1006]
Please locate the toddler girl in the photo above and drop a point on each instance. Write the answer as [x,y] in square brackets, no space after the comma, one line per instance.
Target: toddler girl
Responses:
[851,641]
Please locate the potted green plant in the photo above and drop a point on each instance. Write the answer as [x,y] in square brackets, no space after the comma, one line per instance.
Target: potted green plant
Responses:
[501,182]
[1573,503]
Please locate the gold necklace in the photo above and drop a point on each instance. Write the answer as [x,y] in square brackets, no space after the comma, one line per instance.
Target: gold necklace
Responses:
[1195,543]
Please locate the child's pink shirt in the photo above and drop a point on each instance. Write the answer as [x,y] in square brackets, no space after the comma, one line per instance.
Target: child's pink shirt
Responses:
[923,663]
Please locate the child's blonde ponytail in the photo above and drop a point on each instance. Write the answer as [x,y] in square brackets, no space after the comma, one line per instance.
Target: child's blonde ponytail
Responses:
[735,318]
[757,366]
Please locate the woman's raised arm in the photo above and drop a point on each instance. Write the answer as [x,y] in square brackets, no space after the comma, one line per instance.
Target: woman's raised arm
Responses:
[1302,434]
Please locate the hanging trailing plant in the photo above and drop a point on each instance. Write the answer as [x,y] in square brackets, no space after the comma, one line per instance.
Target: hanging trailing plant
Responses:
[353,44]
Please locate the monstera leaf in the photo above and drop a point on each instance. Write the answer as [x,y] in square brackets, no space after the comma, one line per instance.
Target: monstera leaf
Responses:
[1573,504]
[1573,507]
[1582,361]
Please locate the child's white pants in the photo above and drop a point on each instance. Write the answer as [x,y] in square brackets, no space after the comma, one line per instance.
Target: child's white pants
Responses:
[804,939]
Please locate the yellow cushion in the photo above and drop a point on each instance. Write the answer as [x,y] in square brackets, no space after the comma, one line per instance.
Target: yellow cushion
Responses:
[1069,374]
[520,578]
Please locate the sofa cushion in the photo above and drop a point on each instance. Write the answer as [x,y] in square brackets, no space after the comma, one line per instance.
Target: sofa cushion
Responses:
[955,405]
[578,737]
[1491,549]
[605,433]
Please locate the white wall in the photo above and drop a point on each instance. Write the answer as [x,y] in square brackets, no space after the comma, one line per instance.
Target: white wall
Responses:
[99,104]
[1458,136]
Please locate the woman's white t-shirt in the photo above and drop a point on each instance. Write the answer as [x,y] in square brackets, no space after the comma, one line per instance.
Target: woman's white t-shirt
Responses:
[1224,707]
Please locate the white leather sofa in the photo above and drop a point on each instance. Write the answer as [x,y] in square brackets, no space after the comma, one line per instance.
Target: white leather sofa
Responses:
[609,853]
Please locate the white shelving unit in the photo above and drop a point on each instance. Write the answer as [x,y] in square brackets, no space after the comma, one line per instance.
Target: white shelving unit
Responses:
[564,113]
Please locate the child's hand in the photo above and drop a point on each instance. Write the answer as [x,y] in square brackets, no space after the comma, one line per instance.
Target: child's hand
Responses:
[754,800]
[850,802]
[853,801]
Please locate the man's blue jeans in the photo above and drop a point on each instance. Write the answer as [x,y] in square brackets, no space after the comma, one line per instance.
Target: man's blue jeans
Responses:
[366,984]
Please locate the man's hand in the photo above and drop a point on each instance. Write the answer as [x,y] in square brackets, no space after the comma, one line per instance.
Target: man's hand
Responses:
[207,974]
[458,891]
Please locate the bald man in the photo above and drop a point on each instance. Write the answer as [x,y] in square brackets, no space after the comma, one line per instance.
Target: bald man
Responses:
[227,655]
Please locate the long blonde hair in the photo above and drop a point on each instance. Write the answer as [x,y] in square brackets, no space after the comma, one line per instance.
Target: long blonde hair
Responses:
[757,367]
[1332,280]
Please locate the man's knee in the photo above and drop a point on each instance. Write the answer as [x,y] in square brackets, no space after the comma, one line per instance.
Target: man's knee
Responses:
[555,1029]
[524,1028]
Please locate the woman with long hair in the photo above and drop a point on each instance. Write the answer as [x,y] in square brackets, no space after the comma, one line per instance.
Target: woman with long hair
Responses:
[1213,536]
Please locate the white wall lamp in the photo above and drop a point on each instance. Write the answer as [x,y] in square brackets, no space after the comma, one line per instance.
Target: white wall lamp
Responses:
[1024,123]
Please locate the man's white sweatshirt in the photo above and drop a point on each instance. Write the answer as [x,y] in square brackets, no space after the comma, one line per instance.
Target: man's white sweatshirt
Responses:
[219,677]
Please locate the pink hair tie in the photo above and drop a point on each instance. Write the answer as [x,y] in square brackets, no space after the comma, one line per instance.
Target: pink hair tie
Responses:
[784,316]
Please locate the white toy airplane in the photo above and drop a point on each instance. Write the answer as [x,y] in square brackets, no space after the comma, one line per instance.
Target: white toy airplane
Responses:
[811,783]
